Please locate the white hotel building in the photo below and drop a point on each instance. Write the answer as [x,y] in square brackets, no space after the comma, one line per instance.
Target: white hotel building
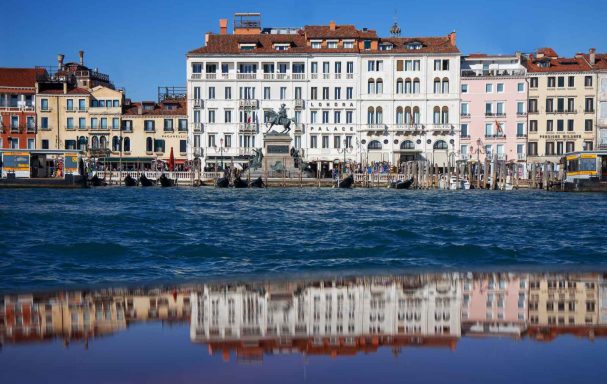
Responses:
[353,94]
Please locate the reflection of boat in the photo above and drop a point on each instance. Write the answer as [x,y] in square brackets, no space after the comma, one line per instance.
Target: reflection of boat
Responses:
[454,183]
[240,183]
[347,182]
[165,181]
[402,184]
[95,181]
[145,182]
[222,182]
[257,183]
[129,181]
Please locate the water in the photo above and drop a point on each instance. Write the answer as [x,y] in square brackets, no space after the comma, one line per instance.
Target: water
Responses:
[74,238]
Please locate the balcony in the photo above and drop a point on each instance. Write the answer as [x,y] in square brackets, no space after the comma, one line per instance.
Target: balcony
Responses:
[441,128]
[498,136]
[246,76]
[326,76]
[376,127]
[17,108]
[337,76]
[248,103]
[198,104]
[268,76]
[299,104]
[520,156]
[521,135]
[464,136]
[500,114]
[247,127]
[562,111]
[533,112]
[211,76]
[521,114]
[589,110]
[349,76]
[299,76]
[299,127]
[489,114]
[198,152]
[196,76]
[409,127]
[282,76]
[464,115]
[197,127]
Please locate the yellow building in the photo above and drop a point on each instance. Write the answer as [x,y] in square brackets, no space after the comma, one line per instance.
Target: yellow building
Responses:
[150,130]
[561,110]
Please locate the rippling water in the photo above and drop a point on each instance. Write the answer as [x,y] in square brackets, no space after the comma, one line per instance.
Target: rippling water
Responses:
[66,237]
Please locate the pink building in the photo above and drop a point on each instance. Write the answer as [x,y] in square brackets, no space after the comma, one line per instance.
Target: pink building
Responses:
[493,107]
[495,304]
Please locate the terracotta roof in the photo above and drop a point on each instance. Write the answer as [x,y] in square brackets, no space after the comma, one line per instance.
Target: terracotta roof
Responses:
[20,77]
[340,31]
[133,109]
[548,52]
[600,61]
[561,64]
[229,44]
[72,91]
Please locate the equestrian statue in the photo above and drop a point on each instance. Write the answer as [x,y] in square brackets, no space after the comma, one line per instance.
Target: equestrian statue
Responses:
[279,118]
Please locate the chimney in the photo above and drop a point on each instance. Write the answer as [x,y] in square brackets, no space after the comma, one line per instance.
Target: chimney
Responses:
[592,56]
[223,26]
[140,109]
[65,87]
[332,25]
[81,57]
[452,38]
[206,38]
[60,60]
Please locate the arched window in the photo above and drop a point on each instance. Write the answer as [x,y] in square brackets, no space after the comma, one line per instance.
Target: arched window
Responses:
[371,87]
[436,115]
[399,115]
[408,116]
[441,144]
[149,145]
[445,85]
[374,144]
[416,85]
[379,86]
[371,115]
[115,143]
[399,86]
[408,86]
[407,144]
[102,142]
[82,142]
[437,87]
[445,115]
[415,115]
[127,144]
[379,115]
[95,142]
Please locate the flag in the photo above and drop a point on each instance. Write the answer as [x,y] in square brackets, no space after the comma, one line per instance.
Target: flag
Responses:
[498,128]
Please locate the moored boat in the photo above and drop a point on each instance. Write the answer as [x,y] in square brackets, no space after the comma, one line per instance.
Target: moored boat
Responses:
[95,181]
[239,183]
[165,181]
[130,181]
[145,182]
[347,182]
[257,183]
[222,182]
[402,184]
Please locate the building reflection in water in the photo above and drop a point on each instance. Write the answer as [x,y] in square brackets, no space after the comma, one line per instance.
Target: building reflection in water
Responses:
[327,317]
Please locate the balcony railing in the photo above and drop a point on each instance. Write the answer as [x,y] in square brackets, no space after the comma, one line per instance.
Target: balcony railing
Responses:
[196,76]
[211,76]
[16,108]
[376,127]
[464,114]
[349,76]
[282,76]
[440,127]
[198,103]
[520,156]
[246,76]
[299,127]
[299,103]
[197,152]
[409,127]
[521,114]
[268,76]
[197,127]
[500,114]
[563,111]
[247,127]
[495,136]
[248,103]
[299,76]
[521,135]
[489,114]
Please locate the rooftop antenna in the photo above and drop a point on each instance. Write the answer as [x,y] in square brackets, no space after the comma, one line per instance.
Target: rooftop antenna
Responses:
[395,30]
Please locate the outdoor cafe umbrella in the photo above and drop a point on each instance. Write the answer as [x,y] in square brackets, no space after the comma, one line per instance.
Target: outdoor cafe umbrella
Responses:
[171,161]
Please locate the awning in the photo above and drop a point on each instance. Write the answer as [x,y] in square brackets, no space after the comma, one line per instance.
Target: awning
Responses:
[126,159]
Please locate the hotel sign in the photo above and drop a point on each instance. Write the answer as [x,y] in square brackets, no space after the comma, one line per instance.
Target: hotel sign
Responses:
[562,136]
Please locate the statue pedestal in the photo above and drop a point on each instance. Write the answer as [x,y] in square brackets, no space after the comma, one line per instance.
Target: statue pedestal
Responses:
[277,155]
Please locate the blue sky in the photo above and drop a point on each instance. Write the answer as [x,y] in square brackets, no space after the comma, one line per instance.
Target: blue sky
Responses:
[142,44]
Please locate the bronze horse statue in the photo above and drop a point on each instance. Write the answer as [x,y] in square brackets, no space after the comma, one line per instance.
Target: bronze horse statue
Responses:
[279,118]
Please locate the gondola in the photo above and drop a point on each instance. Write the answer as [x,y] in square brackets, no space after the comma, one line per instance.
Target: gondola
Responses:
[402,184]
[165,181]
[145,182]
[129,181]
[257,183]
[222,182]
[95,181]
[240,183]
[347,182]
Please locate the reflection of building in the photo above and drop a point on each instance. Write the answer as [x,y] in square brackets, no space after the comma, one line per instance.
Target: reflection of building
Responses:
[603,300]
[328,316]
[559,300]
[495,304]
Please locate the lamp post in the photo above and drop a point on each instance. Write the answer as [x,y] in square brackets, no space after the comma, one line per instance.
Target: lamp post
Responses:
[220,149]
[345,149]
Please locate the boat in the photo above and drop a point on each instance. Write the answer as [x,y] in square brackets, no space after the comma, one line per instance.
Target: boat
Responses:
[454,183]
[239,183]
[145,182]
[222,182]
[402,184]
[165,181]
[584,171]
[257,183]
[95,181]
[347,182]
[130,181]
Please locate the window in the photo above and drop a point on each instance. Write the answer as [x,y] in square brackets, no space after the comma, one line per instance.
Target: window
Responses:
[159,145]
[367,45]
[589,104]
[551,82]
[148,125]
[336,117]
[349,115]
[149,144]
[464,88]
[571,81]
[350,67]
[266,93]
[70,104]
[313,93]
[520,87]
[570,127]
[489,88]
[560,125]
[227,115]
[440,144]
[500,88]
[313,141]
[332,44]
[588,125]
[520,108]
[283,93]
[588,81]
[549,105]
[228,93]
[94,122]
[532,108]
[316,44]
[336,142]
[349,92]
[325,141]
[520,129]
[313,116]
[464,131]
[348,44]
[183,125]
[532,149]
[533,82]
[182,146]
[325,117]
[211,115]
[374,145]
[325,93]
[228,141]
[549,125]
[44,104]
[560,81]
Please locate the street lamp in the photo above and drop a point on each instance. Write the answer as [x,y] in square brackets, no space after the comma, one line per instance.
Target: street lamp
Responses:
[346,149]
